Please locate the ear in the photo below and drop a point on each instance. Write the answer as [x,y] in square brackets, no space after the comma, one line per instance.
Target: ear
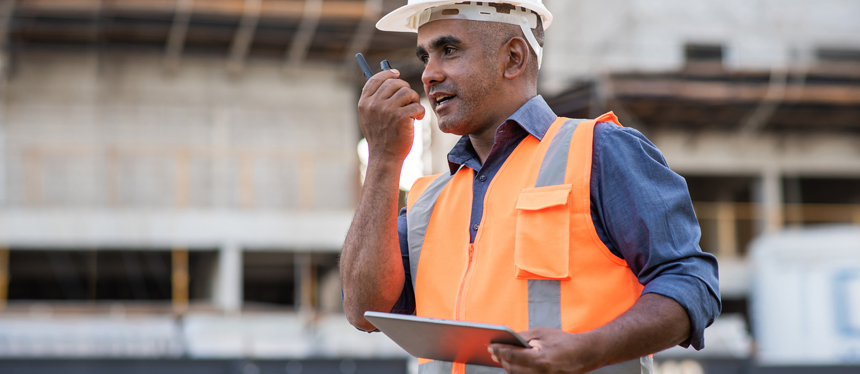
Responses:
[516,57]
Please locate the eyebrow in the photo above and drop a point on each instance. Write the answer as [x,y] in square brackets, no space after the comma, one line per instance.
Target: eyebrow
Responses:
[437,43]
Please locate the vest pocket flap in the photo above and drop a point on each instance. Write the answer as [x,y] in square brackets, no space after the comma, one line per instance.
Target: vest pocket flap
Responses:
[542,239]
[543,197]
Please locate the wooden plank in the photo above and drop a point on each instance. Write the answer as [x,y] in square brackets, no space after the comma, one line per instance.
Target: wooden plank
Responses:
[7,8]
[178,33]
[307,28]
[804,212]
[307,181]
[366,29]
[4,276]
[236,8]
[244,36]
[246,180]
[834,94]
[726,232]
[179,279]
[182,178]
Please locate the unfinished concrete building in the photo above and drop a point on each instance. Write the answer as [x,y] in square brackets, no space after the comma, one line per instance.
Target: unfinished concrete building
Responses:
[177,176]
[176,179]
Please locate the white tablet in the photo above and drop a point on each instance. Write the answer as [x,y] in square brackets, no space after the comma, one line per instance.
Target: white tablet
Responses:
[442,339]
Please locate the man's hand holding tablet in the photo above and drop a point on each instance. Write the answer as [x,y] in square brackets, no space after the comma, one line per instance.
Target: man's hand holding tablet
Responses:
[445,340]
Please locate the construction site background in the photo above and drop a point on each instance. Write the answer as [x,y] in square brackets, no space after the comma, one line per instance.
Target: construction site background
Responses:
[177,176]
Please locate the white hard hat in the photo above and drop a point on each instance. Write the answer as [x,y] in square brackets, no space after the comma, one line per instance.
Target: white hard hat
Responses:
[415,13]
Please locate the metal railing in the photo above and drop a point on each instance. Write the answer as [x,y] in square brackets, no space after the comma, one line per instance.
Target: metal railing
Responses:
[173,172]
[729,216]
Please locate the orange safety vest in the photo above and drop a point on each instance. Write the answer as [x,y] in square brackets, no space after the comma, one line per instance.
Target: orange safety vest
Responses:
[536,259]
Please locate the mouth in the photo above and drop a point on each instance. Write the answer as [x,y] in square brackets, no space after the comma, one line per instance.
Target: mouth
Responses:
[442,99]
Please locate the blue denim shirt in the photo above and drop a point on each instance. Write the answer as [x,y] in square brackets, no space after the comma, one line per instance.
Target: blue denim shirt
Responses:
[641,210]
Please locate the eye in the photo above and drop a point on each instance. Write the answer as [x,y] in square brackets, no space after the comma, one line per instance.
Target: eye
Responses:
[449,49]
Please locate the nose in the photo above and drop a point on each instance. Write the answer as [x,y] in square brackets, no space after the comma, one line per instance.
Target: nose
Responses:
[433,73]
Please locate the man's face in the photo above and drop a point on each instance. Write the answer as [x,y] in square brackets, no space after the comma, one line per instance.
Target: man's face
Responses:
[459,77]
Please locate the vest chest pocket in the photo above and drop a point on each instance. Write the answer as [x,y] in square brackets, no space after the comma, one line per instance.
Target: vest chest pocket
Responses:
[542,244]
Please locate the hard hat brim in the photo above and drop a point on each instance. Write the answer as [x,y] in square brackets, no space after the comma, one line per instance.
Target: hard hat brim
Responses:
[396,21]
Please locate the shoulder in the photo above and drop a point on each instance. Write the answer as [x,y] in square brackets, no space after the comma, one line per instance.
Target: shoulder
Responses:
[418,188]
[610,132]
[613,142]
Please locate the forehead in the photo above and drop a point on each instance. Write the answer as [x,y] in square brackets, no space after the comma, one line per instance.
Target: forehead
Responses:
[431,31]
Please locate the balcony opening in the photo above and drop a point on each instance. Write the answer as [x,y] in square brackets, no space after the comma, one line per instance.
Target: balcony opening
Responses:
[703,58]
[703,52]
[821,201]
[723,207]
[297,280]
[838,55]
[106,275]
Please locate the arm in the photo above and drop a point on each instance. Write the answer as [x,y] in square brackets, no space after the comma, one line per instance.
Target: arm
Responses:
[642,212]
[652,324]
[371,269]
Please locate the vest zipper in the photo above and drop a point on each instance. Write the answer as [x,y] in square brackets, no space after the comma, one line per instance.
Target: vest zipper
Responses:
[463,283]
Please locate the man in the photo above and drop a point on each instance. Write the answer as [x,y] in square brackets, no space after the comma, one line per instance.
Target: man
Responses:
[576,233]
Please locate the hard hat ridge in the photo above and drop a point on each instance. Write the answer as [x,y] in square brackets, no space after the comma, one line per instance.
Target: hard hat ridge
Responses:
[522,13]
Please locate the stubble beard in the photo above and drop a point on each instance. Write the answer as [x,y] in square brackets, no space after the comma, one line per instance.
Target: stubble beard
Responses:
[473,104]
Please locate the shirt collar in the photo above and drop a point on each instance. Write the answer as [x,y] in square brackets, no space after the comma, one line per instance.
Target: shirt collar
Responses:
[535,116]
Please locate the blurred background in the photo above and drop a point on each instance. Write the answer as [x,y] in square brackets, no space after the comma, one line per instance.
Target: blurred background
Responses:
[177,176]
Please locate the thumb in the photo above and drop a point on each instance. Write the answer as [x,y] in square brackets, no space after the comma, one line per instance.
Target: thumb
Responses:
[510,353]
[529,335]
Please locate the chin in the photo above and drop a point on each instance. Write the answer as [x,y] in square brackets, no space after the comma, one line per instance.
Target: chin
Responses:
[450,126]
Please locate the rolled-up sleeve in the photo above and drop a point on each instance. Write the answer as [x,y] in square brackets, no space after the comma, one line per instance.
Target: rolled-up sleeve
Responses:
[642,211]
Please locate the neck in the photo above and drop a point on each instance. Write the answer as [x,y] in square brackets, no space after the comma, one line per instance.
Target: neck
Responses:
[483,141]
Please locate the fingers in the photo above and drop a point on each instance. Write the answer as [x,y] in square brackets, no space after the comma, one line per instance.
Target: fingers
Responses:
[535,333]
[406,104]
[373,84]
[385,85]
[516,369]
[511,354]
[415,110]
[510,366]
[388,91]
[405,95]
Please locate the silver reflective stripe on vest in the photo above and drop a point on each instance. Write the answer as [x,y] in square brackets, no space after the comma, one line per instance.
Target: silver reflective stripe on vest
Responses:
[643,365]
[418,218]
[435,367]
[545,295]
[544,303]
[554,164]
[440,367]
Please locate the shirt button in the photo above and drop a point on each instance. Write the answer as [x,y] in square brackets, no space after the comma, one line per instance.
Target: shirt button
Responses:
[475,227]
[482,178]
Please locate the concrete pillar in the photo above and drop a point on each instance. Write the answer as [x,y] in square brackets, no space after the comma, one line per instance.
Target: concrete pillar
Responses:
[769,199]
[228,278]
[726,230]
[793,210]
[2,154]
[6,10]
